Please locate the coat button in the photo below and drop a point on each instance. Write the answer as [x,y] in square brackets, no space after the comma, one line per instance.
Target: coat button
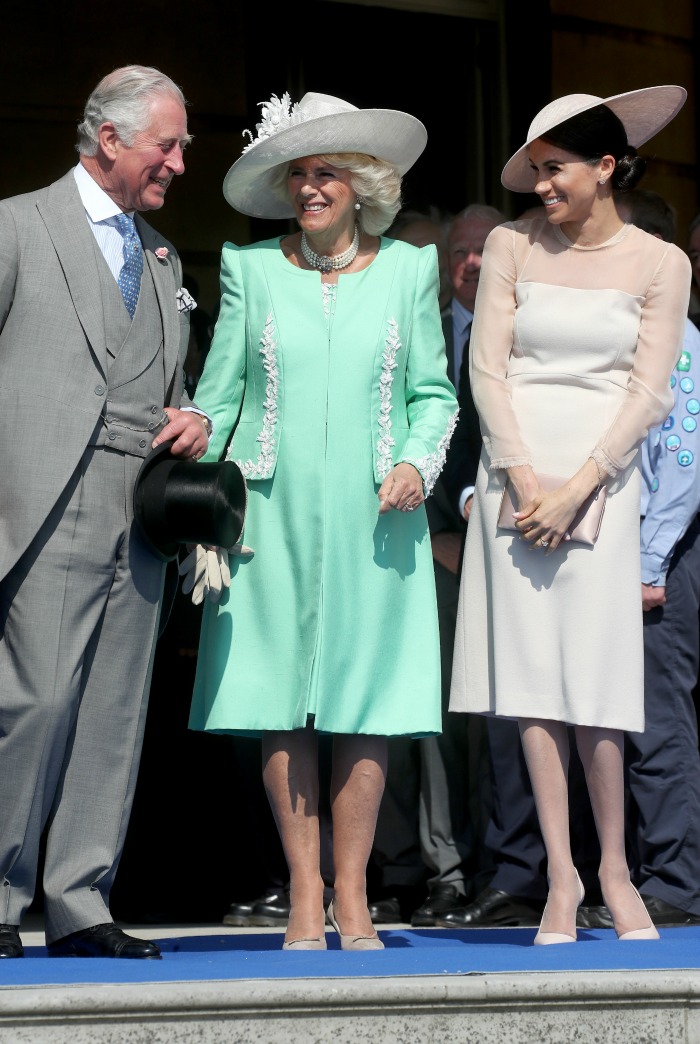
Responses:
[99,389]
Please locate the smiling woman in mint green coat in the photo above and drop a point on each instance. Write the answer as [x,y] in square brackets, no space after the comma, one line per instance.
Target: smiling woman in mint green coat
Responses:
[326,383]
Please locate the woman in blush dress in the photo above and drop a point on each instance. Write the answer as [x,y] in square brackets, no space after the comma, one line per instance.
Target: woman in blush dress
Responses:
[578,324]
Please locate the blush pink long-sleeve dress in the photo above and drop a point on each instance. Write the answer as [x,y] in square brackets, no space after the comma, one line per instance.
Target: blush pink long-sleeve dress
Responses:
[572,351]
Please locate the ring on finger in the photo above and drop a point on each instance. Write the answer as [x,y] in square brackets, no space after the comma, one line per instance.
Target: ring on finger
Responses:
[544,543]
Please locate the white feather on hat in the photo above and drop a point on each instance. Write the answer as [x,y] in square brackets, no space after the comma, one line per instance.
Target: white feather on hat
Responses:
[318,124]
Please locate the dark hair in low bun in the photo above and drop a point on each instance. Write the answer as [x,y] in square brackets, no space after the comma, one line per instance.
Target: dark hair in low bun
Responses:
[629,170]
[595,133]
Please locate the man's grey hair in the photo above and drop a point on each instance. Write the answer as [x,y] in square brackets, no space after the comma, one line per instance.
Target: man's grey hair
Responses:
[124,97]
[482,211]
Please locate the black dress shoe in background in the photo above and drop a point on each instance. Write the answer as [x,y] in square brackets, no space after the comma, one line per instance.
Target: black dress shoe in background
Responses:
[239,914]
[442,899]
[593,917]
[385,911]
[494,909]
[666,916]
[10,942]
[103,940]
[271,910]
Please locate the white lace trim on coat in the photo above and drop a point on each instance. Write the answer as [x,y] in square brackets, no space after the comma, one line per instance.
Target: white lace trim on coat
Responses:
[431,465]
[264,465]
[386,440]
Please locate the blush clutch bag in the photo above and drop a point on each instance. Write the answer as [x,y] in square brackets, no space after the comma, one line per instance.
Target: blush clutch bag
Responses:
[585,526]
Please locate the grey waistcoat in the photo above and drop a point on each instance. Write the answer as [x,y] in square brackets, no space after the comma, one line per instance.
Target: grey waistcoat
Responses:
[136,382]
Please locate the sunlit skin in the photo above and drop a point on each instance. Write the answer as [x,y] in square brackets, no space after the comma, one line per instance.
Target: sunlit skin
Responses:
[324,205]
[137,176]
[694,255]
[465,246]
[572,195]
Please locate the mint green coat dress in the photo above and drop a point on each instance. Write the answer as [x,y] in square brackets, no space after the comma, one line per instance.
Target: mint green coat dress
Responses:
[316,396]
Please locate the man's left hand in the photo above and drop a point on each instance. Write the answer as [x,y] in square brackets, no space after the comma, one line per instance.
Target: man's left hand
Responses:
[652,597]
[187,431]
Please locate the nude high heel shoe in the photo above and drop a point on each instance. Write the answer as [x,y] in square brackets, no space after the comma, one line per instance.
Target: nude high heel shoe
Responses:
[354,942]
[316,943]
[649,932]
[548,938]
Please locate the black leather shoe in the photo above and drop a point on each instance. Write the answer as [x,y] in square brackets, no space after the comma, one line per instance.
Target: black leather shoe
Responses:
[239,914]
[493,908]
[103,940]
[385,911]
[271,910]
[442,899]
[593,917]
[10,942]
[666,916]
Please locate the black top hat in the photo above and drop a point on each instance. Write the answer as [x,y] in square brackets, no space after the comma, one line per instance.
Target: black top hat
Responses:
[186,502]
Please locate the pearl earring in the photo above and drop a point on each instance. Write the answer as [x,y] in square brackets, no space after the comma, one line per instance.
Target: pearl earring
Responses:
[601,181]
[359,202]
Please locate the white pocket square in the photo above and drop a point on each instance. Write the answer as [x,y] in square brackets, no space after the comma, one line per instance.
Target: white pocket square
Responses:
[185,300]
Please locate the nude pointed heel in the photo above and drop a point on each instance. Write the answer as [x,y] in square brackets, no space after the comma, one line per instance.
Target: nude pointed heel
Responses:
[315,943]
[549,938]
[354,942]
[649,932]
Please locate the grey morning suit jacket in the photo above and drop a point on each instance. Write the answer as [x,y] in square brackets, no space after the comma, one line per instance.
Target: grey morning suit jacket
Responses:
[53,355]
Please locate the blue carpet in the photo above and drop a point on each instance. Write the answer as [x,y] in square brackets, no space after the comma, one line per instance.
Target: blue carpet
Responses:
[408,952]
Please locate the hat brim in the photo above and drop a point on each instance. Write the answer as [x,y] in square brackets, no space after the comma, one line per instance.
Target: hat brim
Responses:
[387,134]
[643,114]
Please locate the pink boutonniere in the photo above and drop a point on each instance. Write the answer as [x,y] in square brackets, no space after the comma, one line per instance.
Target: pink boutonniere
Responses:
[162,253]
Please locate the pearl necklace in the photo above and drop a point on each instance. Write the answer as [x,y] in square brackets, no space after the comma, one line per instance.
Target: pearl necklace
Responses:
[328,264]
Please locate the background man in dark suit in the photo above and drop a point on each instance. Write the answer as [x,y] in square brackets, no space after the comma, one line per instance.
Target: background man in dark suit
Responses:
[443,775]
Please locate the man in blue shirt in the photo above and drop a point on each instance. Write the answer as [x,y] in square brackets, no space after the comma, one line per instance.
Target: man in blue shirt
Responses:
[663,762]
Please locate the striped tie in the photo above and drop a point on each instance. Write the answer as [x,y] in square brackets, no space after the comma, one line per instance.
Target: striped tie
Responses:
[130,275]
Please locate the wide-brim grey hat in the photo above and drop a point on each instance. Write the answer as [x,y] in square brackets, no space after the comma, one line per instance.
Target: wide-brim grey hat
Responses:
[643,114]
[317,125]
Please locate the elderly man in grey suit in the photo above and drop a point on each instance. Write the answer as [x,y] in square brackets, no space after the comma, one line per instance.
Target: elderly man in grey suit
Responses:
[93,333]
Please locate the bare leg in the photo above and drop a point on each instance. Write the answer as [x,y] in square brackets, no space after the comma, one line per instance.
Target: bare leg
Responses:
[602,756]
[359,773]
[290,775]
[546,749]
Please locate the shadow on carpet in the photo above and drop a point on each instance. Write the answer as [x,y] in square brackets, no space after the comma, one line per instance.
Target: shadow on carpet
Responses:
[428,951]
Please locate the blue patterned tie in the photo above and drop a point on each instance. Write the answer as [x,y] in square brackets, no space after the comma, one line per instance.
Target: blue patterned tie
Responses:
[130,274]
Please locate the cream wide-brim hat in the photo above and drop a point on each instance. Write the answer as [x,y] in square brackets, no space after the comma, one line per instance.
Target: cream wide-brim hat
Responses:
[643,114]
[318,125]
